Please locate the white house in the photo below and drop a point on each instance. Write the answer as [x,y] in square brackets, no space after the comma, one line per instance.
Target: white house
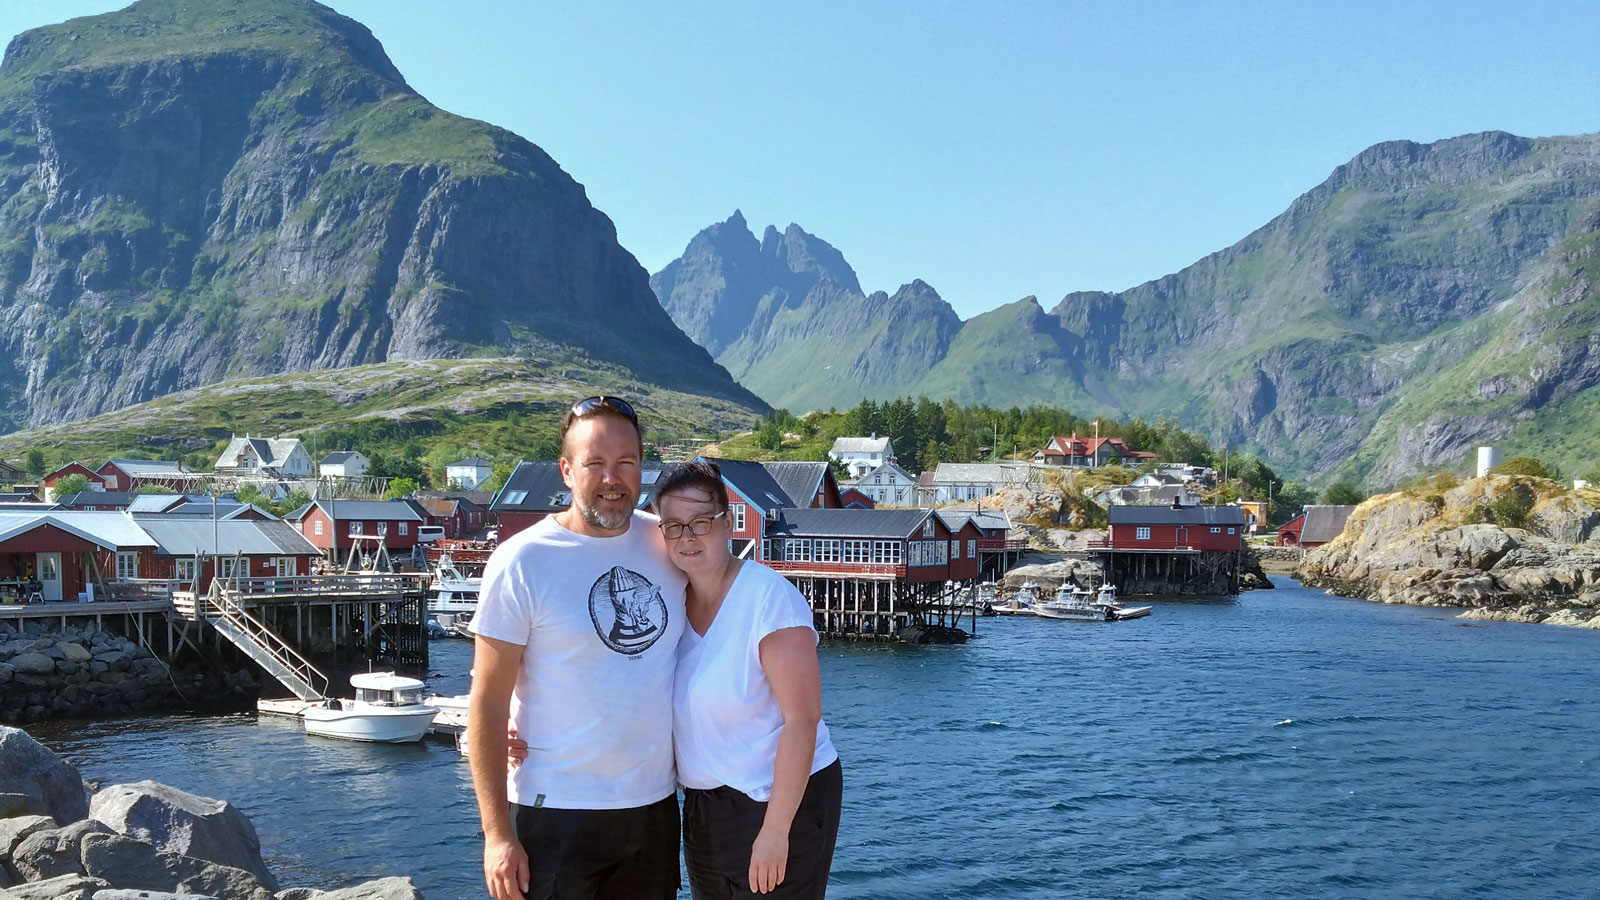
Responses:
[888,485]
[467,474]
[954,482]
[861,455]
[343,464]
[275,457]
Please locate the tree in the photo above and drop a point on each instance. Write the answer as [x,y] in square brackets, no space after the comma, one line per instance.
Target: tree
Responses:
[1592,476]
[1342,493]
[502,471]
[400,487]
[1524,465]
[35,464]
[769,436]
[76,483]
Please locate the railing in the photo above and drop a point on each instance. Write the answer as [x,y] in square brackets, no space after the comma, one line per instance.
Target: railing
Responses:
[261,643]
[1173,546]
[365,583]
[875,570]
[132,590]
[1001,544]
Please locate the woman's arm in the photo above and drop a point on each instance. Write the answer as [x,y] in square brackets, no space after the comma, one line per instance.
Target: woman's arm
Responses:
[789,659]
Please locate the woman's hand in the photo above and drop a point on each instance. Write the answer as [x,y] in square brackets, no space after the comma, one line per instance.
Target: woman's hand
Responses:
[516,749]
[769,858]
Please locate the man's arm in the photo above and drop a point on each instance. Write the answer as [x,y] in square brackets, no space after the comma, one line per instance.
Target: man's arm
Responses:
[495,666]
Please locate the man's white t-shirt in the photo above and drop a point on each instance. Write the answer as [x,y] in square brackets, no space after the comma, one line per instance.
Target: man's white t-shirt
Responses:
[599,619]
[725,717]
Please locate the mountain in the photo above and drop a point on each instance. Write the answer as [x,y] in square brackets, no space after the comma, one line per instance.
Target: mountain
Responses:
[193,191]
[1422,299]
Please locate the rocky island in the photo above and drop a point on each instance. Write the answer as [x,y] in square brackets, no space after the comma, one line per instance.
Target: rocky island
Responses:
[60,840]
[1510,548]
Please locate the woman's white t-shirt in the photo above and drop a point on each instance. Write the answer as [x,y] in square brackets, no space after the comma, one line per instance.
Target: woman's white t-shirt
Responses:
[725,719]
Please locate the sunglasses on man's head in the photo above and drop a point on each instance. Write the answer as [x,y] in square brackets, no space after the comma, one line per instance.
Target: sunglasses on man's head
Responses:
[616,404]
[674,530]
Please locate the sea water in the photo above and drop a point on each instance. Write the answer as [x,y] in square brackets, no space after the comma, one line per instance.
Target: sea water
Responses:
[1287,744]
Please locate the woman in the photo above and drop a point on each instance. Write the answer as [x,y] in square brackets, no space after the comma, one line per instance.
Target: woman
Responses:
[762,782]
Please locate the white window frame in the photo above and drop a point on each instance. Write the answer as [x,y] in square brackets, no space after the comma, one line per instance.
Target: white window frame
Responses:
[405,528]
[316,527]
[1216,529]
[827,551]
[1141,533]
[766,548]
[226,566]
[283,563]
[127,564]
[941,553]
[383,529]
[737,511]
[955,549]
[797,549]
[357,529]
[1232,530]
[188,569]
[927,528]
[886,553]
[972,548]
[857,551]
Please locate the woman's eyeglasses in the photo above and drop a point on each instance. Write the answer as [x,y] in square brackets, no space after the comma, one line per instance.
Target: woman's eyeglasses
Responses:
[616,404]
[674,530]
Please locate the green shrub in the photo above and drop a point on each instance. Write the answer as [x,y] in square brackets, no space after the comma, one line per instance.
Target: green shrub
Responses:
[1523,465]
[1510,510]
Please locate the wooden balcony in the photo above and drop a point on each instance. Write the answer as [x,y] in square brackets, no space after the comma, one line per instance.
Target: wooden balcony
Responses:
[1151,546]
[885,571]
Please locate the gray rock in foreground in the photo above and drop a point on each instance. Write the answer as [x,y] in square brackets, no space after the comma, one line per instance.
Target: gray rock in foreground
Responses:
[131,863]
[182,823]
[53,853]
[380,889]
[52,787]
[66,887]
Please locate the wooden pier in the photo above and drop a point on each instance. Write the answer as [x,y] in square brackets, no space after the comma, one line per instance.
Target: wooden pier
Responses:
[874,603]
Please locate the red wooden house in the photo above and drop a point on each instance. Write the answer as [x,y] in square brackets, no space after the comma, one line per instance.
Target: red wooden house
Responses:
[63,552]
[850,498]
[132,474]
[913,545]
[1314,527]
[97,482]
[1188,528]
[194,549]
[1089,452]
[328,524]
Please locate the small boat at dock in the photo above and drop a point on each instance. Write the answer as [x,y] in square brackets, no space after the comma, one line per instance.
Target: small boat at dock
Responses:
[387,709]
[453,594]
[1072,603]
[1020,603]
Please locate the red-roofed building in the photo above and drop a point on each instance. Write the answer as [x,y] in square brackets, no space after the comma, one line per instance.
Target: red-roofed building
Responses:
[1089,452]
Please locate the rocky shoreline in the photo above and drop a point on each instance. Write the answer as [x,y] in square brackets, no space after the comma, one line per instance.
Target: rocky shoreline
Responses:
[1508,548]
[76,672]
[59,840]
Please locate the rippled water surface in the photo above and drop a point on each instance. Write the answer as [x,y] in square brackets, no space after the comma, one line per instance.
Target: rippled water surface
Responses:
[1290,744]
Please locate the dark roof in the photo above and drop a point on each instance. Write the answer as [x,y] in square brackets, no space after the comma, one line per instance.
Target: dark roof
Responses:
[753,481]
[800,481]
[18,496]
[1166,515]
[472,461]
[97,498]
[863,523]
[1324,523]
[337,457]
[479,499]
[439,506]
[368,510]
[535,485]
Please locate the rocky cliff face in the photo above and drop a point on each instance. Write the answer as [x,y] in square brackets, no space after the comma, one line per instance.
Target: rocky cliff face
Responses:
[200,190]
[1424,298]
[1434,549]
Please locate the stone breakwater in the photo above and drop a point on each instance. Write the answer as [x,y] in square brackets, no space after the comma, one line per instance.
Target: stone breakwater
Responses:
[1434,549]
[75,672]
[145,841]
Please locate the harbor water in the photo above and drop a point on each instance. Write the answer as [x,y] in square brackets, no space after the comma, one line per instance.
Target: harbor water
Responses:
[1288,744]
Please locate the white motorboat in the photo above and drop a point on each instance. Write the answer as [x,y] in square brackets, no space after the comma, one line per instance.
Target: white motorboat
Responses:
[1072,603]
[1020,603]
[453,593]
[388,709]
[1115,611]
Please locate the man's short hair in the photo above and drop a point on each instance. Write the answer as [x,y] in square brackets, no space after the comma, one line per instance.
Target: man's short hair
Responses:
[696,475]
[602,405]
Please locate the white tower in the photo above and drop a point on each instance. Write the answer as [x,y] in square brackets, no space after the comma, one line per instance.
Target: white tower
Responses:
[1488,458]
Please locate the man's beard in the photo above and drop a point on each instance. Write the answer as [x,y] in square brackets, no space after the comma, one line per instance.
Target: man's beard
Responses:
[597,519]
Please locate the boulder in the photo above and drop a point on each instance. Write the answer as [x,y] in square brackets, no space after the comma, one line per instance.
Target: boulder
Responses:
[299,893]
[53,787]
[33,663]
[125,894]
[183,823]
[57,851]
[66,887]
[74,653]
[15,828]
[130,863]
[379,889]
[13,805]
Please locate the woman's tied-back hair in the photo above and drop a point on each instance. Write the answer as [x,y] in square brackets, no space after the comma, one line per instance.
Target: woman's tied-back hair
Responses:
[698,475]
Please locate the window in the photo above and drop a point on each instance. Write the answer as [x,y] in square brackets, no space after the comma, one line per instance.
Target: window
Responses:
[1215,529]
[186,569]
[1141,534]
[955,549]
[927,528]
[285,566]
[827,551]
[127,565]
[383,529]
[857,551]
[942,552]
[972,548]
[766,548]
[513,498]
[650,477]
[316,527]
[1231,531]
[226,566]
[405,528]
[887,552]
[797,550]
[358,528]
[737,510]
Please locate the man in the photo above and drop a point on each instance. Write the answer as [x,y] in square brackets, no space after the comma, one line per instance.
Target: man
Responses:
[577,634]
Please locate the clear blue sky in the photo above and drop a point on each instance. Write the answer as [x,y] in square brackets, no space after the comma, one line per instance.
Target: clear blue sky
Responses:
[993,150]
